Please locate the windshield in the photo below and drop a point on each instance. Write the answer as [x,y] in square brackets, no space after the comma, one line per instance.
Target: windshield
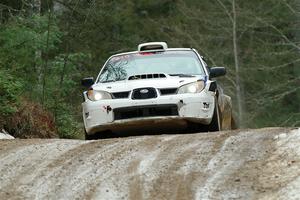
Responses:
[168,62]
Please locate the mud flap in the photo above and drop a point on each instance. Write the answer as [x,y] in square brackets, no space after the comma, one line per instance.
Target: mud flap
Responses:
[225,106]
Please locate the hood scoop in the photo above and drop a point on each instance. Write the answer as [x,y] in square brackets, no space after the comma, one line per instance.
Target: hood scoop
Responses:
[146,76]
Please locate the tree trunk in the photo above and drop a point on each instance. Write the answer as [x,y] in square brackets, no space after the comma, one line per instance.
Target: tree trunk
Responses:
[46,59]
[46,5]
[236,63]
[36,6]
[36,10]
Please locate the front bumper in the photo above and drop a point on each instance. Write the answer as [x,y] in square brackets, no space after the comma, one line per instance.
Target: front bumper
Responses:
[102,115]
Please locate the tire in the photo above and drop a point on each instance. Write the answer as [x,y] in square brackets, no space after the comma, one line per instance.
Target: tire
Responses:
[94,136]
[215,124]
[89,137]
[99,135]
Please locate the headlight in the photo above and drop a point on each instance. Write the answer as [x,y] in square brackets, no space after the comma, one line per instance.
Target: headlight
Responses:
[195,87]
[94,95]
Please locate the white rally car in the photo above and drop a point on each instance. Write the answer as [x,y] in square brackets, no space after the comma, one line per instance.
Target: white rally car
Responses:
[152,87]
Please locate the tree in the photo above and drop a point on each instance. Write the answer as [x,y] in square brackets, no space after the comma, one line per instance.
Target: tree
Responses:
[58,42]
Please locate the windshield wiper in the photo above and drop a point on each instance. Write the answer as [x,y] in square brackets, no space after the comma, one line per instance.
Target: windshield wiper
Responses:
[182,75]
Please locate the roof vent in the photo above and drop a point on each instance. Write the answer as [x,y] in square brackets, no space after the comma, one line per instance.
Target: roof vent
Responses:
[152,46]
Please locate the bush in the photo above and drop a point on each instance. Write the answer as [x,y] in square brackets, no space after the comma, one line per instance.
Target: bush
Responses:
[10,90]
[31,121]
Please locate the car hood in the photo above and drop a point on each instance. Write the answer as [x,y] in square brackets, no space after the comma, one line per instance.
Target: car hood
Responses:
[128,85]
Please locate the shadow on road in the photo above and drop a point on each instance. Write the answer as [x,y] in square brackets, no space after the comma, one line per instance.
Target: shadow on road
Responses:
[153,131]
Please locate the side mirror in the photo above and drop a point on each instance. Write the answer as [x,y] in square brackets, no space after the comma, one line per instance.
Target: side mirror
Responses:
[216,72]
[87,82]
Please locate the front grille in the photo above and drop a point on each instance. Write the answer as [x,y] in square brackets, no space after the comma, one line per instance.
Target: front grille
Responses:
[120,95]
[168,91]
[144,93]
[145,111]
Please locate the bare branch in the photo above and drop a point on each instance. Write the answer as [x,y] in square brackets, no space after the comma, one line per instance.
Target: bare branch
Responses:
[3,6]
[289,7]
[225,10]
[279,66]
[279,32]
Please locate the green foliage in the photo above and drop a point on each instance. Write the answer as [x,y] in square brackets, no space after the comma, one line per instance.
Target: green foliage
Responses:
[68,126]
[23,41]
[31,55]
[44,55]
[62,85]
[10,90]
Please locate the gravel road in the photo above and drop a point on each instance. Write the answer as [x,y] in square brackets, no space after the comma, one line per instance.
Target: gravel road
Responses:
[241,164]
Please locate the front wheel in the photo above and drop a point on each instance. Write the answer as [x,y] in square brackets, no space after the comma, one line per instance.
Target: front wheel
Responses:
[89,137]
[99,135]
[215,124]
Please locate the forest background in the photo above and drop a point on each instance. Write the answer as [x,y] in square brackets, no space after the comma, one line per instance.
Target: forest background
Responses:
[48,46]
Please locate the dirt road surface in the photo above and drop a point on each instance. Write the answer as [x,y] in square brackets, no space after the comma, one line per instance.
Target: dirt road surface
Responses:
[241,164]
